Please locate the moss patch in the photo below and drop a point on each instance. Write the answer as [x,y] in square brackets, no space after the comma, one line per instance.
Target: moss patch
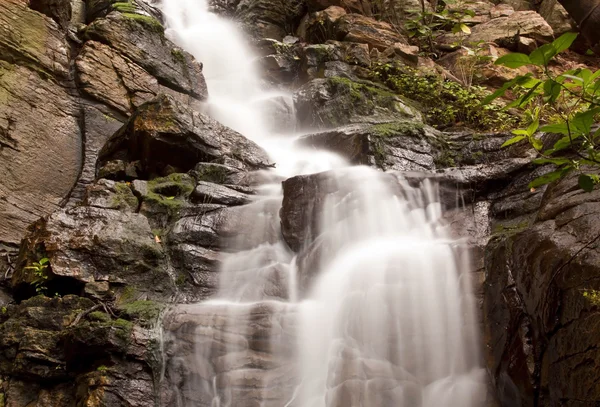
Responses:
[169,193]
[144,312]
[124,197]
[444,103]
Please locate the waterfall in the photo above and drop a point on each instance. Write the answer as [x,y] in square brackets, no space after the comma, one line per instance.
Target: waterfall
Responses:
[390,318]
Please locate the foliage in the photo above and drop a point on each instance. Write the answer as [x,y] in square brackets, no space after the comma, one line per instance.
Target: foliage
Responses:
[592,296]
[40,271]
[573,99]
[444,103]
[426,25]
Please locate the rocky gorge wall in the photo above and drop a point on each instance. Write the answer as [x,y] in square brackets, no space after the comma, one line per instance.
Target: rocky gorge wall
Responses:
[104,136]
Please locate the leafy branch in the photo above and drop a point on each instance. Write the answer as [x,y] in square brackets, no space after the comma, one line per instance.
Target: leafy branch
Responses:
[571,97]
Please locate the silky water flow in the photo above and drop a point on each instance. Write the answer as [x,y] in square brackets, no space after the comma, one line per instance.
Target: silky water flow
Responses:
[389,317]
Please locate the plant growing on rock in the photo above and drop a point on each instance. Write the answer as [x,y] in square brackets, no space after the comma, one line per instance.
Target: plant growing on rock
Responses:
[40,271]
[572,98]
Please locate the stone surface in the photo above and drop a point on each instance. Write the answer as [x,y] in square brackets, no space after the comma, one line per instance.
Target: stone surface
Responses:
[30,39]
[335,101]
[148,48]
[40,148]
[164,133]
[502,29]
[536,277]
[112,79]
[557,17]
[58,10]
[399,146]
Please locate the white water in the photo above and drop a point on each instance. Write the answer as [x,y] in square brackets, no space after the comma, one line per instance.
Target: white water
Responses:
[390,319]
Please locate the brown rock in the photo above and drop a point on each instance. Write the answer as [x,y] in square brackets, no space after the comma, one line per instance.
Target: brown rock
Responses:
[365,30]
[58,10]
[110,78]
[40,148]
[525,23]
[31,39]
[164,133]
[147,47]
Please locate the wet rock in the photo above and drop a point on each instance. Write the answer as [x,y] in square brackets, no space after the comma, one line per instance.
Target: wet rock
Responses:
[354,6]
[331,102]
[206,192]
[39,123]
[30,39]
[142,41]
[535,282]
[87,244]
[106,76]
[165,134]
[111,195]
[365,30]
[502,29]
[270,18]
[400,146]
[99,123]
[58,10]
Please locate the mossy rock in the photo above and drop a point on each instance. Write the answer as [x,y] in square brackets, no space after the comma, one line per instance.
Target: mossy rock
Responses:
[168,194]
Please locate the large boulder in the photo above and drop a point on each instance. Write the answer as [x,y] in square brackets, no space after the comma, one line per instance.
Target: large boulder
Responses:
[335,101]
[58,10]
[556,15]
[502,29]
[400,146]
[270,18]
[165,134]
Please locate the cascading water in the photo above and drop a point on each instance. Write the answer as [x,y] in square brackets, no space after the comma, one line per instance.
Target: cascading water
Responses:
[389,320]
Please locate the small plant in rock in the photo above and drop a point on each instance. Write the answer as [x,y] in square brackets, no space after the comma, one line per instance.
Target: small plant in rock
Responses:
[426,25]
[40,270]
[571,99]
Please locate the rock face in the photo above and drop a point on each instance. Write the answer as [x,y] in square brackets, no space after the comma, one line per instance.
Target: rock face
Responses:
[39,120]
[536,287]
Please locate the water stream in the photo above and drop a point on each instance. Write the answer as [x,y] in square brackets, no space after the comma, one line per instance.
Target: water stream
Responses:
[390,318]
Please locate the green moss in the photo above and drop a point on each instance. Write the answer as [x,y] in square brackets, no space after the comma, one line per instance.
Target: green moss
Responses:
[178,55]
[181,279]
[508,229]
[128,295]
[124,329]
[147,311]
[444,103]
[99,316]
[124,7]
[124,197]
[170,193]
[148,22]
[414,129]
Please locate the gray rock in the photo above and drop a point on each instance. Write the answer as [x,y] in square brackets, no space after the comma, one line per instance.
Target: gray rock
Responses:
[209,193]
[332,102]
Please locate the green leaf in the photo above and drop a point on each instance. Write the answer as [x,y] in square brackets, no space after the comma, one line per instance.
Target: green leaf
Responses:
[170,198]
[520,132]
[573,77]
[465,28]
[551,90]
[513,60]
[543,55]
[513,140]
[44,260]
[550,177]
[533,127]
[558,128]
[564,41]
[555,161]
[582,121]
[586,183]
